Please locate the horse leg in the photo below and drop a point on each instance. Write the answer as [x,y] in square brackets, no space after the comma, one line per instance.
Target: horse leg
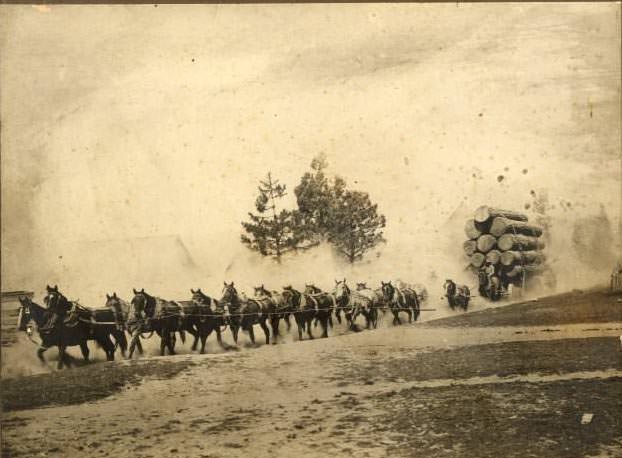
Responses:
[219,336]
[162,344]
[287,322]
[266,331]
[61,356]
[396,317]
[274,323]
[308,324]
[121,339]
[171,342]
[251,334]
[40,352]
[194,334]
[84,348]
[204,336]
[324,323]
[338,315]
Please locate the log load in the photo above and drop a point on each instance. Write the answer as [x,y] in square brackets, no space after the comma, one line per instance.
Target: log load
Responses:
[519,242]
[470,246]
[485,243]
[477,260]
[502,226]
[470,230]
[509,258]
[493,256]
[508,241]
[484,213]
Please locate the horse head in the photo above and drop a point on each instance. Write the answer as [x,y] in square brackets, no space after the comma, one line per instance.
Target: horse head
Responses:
[143,302]
[387,291]
[361,286]
[54,300]
[200,298]
[24,313]
[450,287]
[342,292]
[229,294]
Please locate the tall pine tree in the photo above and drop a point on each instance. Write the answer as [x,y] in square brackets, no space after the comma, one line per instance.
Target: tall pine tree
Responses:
[356,226]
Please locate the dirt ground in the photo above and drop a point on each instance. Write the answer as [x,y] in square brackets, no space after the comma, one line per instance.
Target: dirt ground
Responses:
[467,389]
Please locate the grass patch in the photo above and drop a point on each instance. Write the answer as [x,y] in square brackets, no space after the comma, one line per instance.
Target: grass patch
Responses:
[569,308]
[88,383]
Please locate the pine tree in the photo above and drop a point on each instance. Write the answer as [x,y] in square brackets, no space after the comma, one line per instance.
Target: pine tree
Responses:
[356,225]
[272,232]
[313,196]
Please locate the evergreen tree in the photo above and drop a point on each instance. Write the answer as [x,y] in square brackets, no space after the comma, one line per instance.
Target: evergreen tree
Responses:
[272,232]
[355,223]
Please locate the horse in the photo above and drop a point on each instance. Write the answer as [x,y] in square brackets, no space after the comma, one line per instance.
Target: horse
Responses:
[457,295]
[60,335]
[323,303]
[121,310]
[375,295]
[207,316]
[106,320]
[401,299]
[342,296]
[278,309]
[493,289]
[244,314]
[152,314]
[366,302]
[302,309]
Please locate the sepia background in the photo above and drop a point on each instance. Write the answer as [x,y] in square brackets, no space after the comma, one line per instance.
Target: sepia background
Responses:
[133,137]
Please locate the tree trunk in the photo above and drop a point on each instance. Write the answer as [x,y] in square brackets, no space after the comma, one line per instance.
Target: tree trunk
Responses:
[519,242]
[493,256]
[477,259]
[485,213]
[502,226]
[485,243]
[470,246]
[521,257]
[470,230]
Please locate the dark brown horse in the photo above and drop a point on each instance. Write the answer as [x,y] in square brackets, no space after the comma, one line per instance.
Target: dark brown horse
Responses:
[55,332]
[206,316]
[303,309]
[401,300]
[150,314]
[244,314]
[457,295]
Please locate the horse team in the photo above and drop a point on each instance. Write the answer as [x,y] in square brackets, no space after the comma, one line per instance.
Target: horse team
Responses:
[64,323]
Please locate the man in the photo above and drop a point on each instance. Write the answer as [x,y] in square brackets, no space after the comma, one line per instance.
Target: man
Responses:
[489,269]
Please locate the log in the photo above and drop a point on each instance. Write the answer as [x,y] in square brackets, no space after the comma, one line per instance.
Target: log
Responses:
[517,270]
[509,258]
[485,213]
[470,230]
[502,226]
[486,242]
[519,242]
[493,256]
[477,259]
[470,246]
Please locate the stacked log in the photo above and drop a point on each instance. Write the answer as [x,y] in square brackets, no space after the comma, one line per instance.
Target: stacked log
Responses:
[507,240]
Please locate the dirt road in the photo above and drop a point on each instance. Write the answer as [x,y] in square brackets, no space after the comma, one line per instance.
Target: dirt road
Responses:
[418,390]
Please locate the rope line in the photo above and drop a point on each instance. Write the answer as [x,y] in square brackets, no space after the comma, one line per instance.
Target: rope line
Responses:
[144,320]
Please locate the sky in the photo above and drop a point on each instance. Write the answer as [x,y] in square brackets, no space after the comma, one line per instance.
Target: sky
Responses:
[133,137]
